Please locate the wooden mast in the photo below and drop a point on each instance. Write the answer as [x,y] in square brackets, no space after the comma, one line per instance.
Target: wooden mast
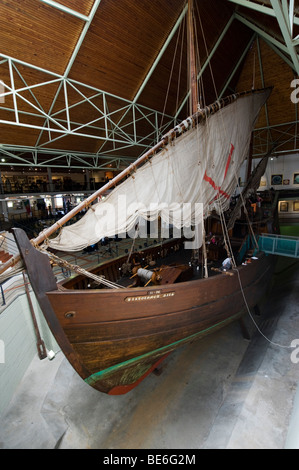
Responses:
[193,103]
[192,60]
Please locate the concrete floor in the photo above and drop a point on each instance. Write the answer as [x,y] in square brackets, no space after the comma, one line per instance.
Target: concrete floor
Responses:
[223,392]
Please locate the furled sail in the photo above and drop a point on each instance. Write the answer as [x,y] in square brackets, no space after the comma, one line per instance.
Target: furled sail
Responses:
[195,173]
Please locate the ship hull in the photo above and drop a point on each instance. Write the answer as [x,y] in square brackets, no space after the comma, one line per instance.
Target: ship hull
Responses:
[122,335]
[115,337]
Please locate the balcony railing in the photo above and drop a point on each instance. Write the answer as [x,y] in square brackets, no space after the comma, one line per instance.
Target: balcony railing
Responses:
[279,245]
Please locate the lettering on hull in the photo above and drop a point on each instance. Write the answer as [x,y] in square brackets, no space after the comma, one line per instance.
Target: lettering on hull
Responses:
[150,296]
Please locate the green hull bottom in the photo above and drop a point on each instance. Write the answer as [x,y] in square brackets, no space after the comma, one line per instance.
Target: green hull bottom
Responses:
[123,377]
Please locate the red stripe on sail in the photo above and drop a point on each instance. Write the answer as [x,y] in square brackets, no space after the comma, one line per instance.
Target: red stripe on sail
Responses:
[217,188]
[232,148]
[212,182]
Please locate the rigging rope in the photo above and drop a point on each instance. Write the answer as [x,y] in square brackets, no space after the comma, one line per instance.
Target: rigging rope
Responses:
[235,268]
[169,80]
[253,320]
[227,243]
[63,263]
[222,217]
[247,216]
[133,242]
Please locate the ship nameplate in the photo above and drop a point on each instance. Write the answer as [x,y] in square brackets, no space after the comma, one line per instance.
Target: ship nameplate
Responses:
[155,295]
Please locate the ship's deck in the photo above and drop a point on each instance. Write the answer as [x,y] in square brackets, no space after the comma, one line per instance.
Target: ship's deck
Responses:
[122,269]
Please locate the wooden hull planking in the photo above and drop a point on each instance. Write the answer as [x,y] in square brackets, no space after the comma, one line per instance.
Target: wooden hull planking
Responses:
[115,337]
[121,335]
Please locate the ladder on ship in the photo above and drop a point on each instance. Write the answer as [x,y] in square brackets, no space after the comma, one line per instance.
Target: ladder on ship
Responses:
[279,245]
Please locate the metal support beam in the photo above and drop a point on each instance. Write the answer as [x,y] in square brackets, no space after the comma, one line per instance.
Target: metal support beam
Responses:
[165,45]
[149,74]
[65,9]
[20,156]
[277,51]
[82,37]
[259,8]
[237,65]
[263,81]
[61,123]
[291,16]
[261,32]
[283,21]
[88,21]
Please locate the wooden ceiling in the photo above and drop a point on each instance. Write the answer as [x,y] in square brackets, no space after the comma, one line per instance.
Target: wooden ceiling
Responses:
[91,80]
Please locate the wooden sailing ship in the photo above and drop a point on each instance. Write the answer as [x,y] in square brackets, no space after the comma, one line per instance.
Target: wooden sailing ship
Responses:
[115,329]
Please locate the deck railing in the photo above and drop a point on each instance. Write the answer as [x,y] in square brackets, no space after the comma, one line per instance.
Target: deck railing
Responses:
[279,245]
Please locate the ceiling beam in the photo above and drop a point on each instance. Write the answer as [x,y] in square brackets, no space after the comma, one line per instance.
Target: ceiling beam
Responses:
[283,21]
[259,8]
[82,37]
[58,126]
[263,84]
[157,60]
[71,61]
[237,65]
[291,16]
[261,32]
[150,72]
[65,9]
[57,158]
[277,51]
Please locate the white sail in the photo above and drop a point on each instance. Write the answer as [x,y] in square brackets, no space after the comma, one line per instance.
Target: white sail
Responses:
[193,175]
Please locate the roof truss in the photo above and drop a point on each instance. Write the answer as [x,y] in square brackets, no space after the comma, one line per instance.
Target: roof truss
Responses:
[115,124]
[66,9]
[283,10]
[107,126]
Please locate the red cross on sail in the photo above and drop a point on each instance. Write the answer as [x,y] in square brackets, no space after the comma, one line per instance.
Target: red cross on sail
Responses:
[212,182]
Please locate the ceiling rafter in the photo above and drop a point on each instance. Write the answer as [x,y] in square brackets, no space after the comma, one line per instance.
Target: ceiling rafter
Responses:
[119,131]
[289,50]
[237,65]
[65,9]
[153,67]
[285,23]
[157,60]
[28,157]
[62,127]
[73,56]
[261,32]
[261,8]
